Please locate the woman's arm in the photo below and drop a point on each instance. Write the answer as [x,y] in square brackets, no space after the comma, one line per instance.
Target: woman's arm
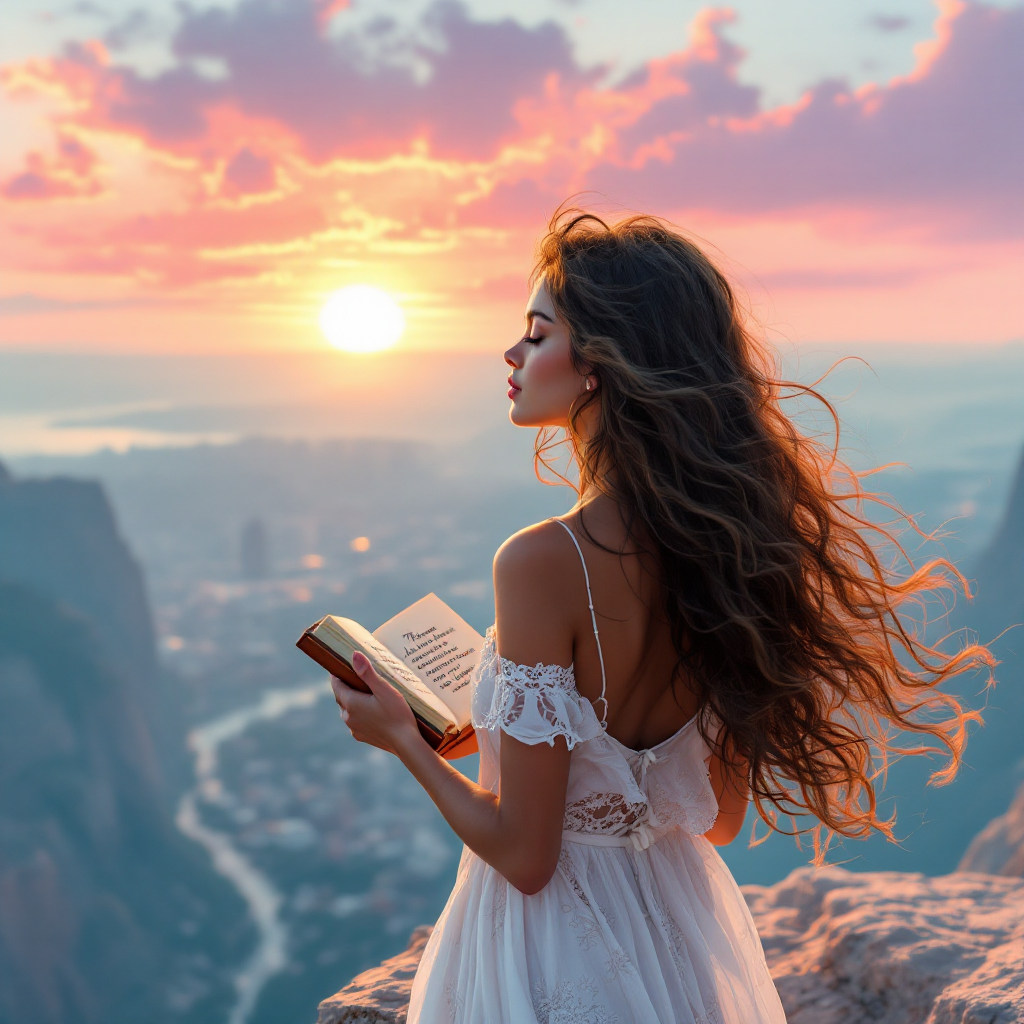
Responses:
[732,791]
[518,831]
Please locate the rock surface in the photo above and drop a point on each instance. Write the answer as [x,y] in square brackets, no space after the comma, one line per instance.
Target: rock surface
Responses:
[893,948]
[998,849]
[844,948]
[380,995]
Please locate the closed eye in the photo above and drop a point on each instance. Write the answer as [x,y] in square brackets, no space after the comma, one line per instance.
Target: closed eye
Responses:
[532,341]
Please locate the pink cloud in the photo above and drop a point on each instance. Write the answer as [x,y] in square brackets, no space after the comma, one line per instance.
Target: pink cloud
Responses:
[512,204]
[817,278]
[465,128]
[506,289]
[172,248]
[70,172]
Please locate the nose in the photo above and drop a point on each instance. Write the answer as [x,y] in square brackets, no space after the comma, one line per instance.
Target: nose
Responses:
[514,356]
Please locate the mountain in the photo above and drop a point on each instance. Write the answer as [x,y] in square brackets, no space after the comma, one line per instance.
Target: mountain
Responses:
[60,536]
[1000,569]
[996,755]
[998,849]
[107,913]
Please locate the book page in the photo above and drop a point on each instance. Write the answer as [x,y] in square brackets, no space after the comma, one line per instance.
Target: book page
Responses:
[440,647]
[342,631]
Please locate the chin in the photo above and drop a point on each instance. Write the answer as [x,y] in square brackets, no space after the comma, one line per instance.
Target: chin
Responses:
[517,418]
[521,417]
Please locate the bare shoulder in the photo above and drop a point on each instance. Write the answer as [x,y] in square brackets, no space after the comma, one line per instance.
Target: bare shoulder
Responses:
[533,581]
[541,551]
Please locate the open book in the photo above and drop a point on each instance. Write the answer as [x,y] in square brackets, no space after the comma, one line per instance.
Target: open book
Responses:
[427,653]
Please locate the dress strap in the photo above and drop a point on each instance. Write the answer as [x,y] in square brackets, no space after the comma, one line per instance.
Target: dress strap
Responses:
[593,620]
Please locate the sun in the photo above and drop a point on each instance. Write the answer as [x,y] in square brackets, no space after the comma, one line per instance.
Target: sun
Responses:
[361,318]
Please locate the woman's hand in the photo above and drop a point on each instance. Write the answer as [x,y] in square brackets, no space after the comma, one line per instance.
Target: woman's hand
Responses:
[381,718]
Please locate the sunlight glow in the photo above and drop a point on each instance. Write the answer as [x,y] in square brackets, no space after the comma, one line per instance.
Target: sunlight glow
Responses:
[361,318]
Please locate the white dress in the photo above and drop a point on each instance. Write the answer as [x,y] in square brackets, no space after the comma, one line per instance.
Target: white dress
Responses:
[642,923]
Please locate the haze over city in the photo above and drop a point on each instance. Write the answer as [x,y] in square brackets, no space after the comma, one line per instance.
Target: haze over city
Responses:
[261,260]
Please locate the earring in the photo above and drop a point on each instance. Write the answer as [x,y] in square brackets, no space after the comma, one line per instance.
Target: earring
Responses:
[588,383]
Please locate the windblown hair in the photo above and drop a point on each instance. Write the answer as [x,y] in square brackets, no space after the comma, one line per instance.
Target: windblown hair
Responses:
[787,624]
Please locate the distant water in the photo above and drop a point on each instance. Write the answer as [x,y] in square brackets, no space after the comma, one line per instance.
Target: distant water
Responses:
[73,404]
[933,406]
[263,899]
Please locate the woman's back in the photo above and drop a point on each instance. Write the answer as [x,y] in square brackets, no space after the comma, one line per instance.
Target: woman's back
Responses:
[643,708]
[641,921]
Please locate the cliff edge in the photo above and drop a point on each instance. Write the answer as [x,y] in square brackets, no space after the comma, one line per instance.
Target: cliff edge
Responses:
[846,947]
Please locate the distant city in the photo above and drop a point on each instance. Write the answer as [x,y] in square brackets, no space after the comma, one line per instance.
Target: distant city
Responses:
[243,544]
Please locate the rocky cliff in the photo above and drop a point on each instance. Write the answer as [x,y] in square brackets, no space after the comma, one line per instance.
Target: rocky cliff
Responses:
[994,754]
[999,848]
[845,948]
[893,948]
[107,914]
[1000,569]
[59,536]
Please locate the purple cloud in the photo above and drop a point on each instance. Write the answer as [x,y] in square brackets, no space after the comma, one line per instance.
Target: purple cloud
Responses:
[350,94]
[949,139]
[68,173]
[248,172]
[707,70]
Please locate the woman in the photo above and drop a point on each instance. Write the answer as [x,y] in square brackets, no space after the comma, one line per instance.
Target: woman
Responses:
[708,624]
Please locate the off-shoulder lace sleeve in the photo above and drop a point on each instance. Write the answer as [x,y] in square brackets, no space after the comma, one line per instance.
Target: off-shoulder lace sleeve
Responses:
[538,704]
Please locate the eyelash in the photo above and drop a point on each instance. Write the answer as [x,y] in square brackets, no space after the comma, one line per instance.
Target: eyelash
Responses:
[532,341]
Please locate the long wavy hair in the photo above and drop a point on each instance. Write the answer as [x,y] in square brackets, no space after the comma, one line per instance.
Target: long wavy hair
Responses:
[787,624]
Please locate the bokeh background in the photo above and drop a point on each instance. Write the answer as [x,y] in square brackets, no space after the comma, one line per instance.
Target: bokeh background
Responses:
[193,474]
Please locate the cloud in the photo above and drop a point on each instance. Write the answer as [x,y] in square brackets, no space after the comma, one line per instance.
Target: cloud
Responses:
[450,83]
[247,173]
[287,134]
[942,147]
[69,172]
[689,90]
[937,152]
[506,289]
[29,304]
[818,278]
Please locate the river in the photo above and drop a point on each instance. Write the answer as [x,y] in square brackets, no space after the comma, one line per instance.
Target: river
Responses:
[259,893]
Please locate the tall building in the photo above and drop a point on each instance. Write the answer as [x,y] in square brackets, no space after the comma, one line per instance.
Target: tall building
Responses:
[255,554]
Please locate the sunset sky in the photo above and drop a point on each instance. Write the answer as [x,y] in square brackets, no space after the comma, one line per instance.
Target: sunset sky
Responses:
[198,178]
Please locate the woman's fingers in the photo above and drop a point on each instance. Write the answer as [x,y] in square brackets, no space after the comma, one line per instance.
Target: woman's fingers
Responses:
[365,670]
[347,698]
[381,717]
[341,692]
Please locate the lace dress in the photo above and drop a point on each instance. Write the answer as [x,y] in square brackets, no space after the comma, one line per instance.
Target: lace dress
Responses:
[642,923]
